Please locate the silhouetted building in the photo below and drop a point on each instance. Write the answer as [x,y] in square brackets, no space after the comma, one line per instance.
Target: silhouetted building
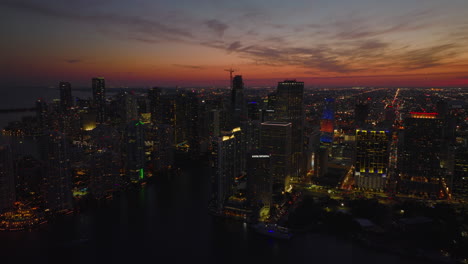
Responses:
[238,107]
[155,105]
[7,181]
[128,107]
[104,173]
[290,108]
[66,100]
[253,111]
[460,175]
[99,98]
[55,152]
[28,180]
[424,160]
[162,140]
[260,182]
[134,153]
[361,112]
[275,140]
[42,115]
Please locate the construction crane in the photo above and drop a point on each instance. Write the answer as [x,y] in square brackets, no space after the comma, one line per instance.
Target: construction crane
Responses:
[230,70]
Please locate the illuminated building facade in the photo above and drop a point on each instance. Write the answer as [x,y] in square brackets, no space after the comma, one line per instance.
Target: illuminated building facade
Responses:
[372,159]
[99,98]
[226,165]
[7,181]
[328,121]
[275,140]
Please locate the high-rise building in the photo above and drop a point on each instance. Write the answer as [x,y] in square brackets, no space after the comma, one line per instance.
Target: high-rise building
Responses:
[66,100]
[129,107]
[424,155]
[238,107]
[275,140]
[134,153]
[327,121]
[460,175]
[57,176]
[268,112]
[7,184]
[361,112]
[99,98]
[372,159]
[42,115]
[162,139]
[28,180]
[253,111]
[226,165]
[104,173]
[289,107]
[154,96]
[260,184]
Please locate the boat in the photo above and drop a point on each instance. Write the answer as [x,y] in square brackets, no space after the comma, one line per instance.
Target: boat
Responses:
[273,230]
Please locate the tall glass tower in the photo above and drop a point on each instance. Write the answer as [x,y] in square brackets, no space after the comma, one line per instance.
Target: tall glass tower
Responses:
[99,98]
[327,121]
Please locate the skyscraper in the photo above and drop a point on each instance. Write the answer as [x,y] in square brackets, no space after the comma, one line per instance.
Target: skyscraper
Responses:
[327,121]
[104,173]
[154,96]
[259,179]
[99,98]
[226,165]
[238,107]
[66,100]
[56,177]
[361,112]
[372,159]
[128,107]
[134,152]
[289,107]
[42,114]
[423,155]
[275,140]
[162,139]
[7,184]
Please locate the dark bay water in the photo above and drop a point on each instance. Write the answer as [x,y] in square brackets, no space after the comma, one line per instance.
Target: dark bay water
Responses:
[26,97]
[168,220]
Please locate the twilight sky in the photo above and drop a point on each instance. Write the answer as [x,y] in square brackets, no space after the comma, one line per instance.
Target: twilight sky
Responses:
[191,42]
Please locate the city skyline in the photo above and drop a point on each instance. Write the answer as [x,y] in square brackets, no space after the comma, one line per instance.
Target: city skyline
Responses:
[156,43]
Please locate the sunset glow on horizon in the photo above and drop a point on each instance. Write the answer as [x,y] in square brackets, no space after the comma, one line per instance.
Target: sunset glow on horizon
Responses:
[190,43]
